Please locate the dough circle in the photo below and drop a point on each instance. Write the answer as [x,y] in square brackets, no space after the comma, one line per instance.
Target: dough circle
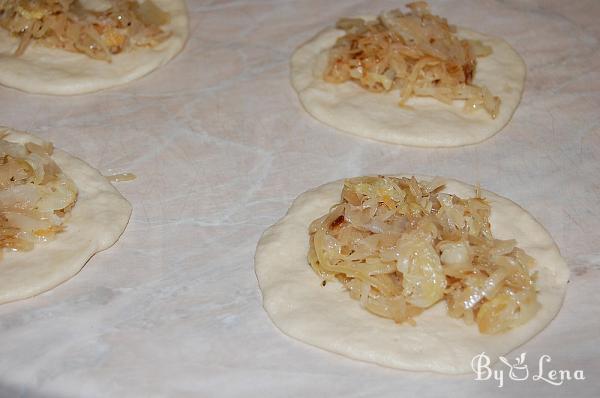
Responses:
[326,317]
[97,220]
[428,123]
[43,70]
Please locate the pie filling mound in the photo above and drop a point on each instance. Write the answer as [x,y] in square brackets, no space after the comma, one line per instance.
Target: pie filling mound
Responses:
[36,197]
[417,53]
[114,27]
[399,246]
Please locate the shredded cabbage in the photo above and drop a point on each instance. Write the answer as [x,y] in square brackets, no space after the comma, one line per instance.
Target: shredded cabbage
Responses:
[416,52]
[68,25]
[399,246]
[35,196]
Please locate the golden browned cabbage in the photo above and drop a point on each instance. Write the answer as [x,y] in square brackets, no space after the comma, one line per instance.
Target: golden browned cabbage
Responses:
[68,25]
[35,196]
[416,52]
[400,246]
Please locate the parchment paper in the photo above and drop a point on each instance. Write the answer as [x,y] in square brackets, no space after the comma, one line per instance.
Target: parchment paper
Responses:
[221,146]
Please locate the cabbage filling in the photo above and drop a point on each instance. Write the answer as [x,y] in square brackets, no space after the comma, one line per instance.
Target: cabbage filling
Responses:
[399,246]
[417,53]
[106,28]
[35,196]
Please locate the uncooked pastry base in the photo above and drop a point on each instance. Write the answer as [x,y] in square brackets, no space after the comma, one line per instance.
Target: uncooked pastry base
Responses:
[326,317]
[429,123]
[45,70]
[98,218]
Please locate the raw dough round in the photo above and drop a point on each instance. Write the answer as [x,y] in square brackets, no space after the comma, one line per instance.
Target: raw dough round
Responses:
[430,123]
[44,70]
[98,218]
[326,317]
